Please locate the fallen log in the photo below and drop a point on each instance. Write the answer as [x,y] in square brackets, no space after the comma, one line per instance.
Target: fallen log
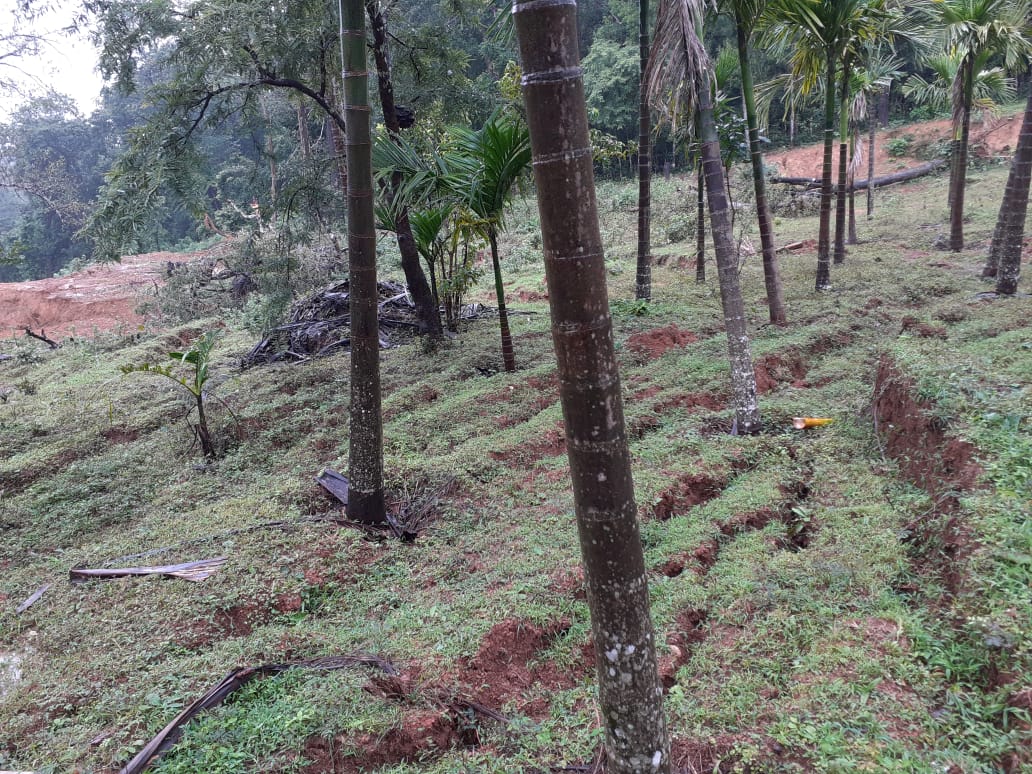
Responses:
[861,185]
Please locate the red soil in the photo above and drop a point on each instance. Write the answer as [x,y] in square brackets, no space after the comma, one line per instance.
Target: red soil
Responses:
[654,343]
[987,139]
[101,297]
[689,490]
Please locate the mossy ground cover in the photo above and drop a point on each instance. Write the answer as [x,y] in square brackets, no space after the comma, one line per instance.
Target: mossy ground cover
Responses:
[805,618]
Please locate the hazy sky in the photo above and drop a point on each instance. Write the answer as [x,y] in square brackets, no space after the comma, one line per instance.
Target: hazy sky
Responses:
[68,64]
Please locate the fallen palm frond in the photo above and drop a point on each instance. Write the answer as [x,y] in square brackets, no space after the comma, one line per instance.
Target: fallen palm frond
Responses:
[191,571]
[232,682]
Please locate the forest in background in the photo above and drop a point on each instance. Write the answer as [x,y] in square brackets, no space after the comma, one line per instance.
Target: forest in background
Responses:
[448,60]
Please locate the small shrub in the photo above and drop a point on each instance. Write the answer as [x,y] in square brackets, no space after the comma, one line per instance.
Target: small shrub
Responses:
[680,228]
[899,146]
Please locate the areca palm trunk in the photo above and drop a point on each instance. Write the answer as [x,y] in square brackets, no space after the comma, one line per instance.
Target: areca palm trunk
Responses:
[508,355]
[824,229]
[841,189]
[1005,252]
[700,219]
[365,447]
[427,312]
[960,148]
[771,271]
[870,158]
[643,282]
[743,377]
[630,695]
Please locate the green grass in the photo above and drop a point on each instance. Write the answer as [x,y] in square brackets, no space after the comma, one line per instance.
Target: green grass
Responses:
[843,655]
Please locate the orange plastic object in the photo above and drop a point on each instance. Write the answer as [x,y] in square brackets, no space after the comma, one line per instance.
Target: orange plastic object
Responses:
[803,423]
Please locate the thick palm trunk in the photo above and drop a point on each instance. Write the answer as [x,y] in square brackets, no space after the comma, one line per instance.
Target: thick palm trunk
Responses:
[1010,225]
[871,128]
[427,311]
[959,178]
[630,696]
[365,452]
[700,228]
[824,229]
[508,355]
[643,282]
[743,378]
[771,270]
[841,191]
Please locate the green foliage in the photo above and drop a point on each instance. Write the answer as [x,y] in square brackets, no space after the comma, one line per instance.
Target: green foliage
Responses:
[611,87]
[899,146]
[198,358]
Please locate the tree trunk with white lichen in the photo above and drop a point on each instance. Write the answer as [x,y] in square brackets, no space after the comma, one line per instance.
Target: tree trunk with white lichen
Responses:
[365,452]
[743,378]
[630,695]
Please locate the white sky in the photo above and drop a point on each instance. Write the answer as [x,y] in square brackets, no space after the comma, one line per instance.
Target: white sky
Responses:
[67,64]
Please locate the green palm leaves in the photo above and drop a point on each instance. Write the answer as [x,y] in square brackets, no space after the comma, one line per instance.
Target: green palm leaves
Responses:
[458,195]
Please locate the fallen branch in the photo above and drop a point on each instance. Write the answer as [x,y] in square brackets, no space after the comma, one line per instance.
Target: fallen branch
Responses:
[42,336]
[232,682]
[861,185]
[33,599]
[191,571]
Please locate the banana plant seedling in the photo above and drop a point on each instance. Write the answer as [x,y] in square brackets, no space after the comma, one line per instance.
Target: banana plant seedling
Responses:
[198,356]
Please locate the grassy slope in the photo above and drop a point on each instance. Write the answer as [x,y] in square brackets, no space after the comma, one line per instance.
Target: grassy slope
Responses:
[842,655]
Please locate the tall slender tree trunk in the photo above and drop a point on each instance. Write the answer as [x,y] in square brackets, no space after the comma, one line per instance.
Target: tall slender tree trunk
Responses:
[824,229]
[850,182]
[871,128]
[771,270]
[960,146]
[1010,225]
[700,228]
[365,452]
[643,282]
[630,695]
[427,311]
[841,190]
[743,377]
[508,355]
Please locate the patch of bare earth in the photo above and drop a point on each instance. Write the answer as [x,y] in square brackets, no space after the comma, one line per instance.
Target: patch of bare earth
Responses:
[101,297]
[689,490]
[933,460]
[652,344]
[508,670]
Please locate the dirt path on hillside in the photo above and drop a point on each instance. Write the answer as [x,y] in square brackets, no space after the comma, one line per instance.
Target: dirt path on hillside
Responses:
[101,297]
[105,297]
[991,138]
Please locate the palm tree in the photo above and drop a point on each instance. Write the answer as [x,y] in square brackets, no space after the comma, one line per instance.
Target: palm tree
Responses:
[1005,253]
[427,312]
[630,696]
[643,282]
[973,31]
[870,82]
[500,156]
[681,77]
[746,13]
[365,445]
[827,37]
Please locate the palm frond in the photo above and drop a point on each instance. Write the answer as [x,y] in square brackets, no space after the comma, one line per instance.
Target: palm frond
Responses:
[678,64]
